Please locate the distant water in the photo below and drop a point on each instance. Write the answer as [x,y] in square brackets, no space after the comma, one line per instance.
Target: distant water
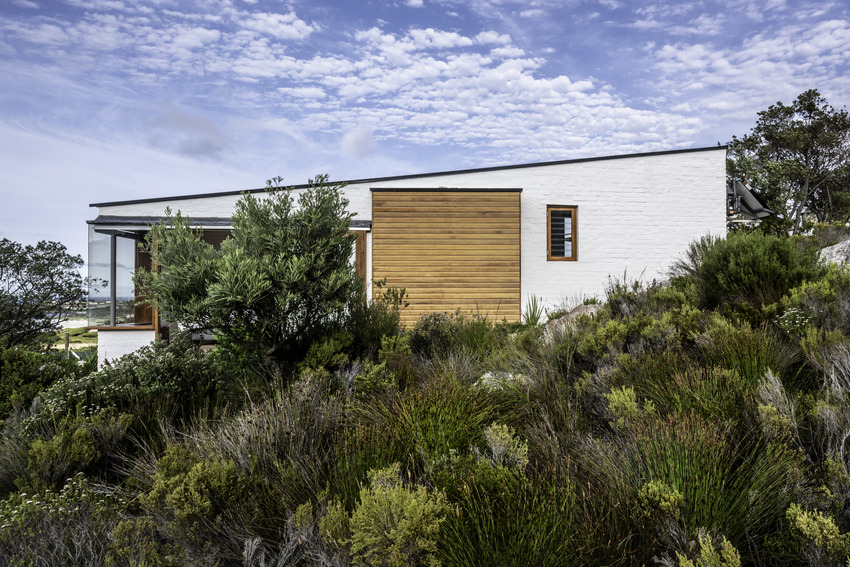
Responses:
[74,323]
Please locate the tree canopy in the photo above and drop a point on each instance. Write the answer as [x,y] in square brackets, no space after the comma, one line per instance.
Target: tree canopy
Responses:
[283,278]
[797,157]
[39,285]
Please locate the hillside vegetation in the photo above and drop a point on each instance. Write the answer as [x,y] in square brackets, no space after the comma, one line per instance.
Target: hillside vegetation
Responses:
[700,421]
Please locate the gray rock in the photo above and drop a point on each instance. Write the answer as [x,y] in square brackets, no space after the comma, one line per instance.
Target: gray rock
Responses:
[838,253]
[557,328]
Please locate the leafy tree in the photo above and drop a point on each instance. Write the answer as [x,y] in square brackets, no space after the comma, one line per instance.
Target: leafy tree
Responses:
[284,278]
[39,286]
[798,158]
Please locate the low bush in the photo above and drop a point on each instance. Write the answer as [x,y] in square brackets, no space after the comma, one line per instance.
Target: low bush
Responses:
[502,517]
[24,374]
[427,421]
[747,271]
[72,526]
[392,524]
[171,381]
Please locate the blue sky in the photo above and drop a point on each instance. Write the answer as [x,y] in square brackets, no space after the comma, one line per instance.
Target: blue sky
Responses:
[104,100]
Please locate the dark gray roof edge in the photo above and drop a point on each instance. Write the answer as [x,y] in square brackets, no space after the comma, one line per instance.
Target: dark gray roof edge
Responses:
[110,220]
[441,190]
[413,176]
[106,220]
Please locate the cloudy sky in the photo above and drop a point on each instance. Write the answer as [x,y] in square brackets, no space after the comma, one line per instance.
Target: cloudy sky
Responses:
[104,100]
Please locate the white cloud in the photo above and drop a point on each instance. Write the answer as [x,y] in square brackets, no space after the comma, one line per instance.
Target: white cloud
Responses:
[280,26]
[416,3]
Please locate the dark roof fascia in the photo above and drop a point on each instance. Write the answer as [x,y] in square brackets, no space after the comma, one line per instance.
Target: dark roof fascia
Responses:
[111,220]
[441,190]
[413,176]
[223,222]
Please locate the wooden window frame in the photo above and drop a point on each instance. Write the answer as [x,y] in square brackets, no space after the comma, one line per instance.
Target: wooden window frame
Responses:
[573,256]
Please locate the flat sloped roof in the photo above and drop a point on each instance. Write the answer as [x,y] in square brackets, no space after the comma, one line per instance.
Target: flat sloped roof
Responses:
[413,176]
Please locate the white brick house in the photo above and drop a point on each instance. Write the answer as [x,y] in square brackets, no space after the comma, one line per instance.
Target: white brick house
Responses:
[482,240]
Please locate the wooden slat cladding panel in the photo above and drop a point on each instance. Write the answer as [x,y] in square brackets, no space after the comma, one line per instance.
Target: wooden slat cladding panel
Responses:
[449,250]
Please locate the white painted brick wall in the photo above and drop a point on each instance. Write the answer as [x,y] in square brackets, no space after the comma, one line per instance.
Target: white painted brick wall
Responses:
[636,215]
[112,345]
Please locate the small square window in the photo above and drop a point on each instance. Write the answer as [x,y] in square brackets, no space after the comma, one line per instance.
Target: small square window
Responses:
[561,234]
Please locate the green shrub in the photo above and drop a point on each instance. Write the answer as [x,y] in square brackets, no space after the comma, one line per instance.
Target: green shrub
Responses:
[71,526]
[173,381]
[623,406]
[392,525]
[137,542]
[740,489]
[818,535]
[195,495]
[708,556]
[657,498]
[502,517]
[428,421]
[24,374]
[747,271]
[79,443]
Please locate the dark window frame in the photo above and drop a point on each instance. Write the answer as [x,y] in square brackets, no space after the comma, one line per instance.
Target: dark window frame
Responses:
[570,255]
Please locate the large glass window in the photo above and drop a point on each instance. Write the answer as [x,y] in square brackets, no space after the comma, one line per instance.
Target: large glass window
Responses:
[562,240]
[113,257]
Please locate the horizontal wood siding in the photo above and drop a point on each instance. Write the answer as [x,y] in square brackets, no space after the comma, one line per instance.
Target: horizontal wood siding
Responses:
[449,250]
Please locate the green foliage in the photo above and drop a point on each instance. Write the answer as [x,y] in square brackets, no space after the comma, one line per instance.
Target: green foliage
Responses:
[428,421]
[747,271]
[796,157]
[657,498]
[502,517]
[504,448]
[136,542]
[39,285]
[739,489]
[79,443]
[708,556]
[750,352]
[280,282]
[25,373]
[534,311]
[71,526]
[173,380]
[193,492]
[438,334]
[392,525]
[819,534]
[624,407]
[329,352]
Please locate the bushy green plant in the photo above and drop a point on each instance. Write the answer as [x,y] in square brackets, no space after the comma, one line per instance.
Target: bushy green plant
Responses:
[391,525]
[502,517]
[623,406]
[726,556]
[283,279]
[71,526]
[173,380]
[822,541]
[427,421]
[25,373]
[194,496]
[748,270]
[79,442]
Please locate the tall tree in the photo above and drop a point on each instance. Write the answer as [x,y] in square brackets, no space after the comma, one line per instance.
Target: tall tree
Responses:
[798,158]
[39,285]
[284,278]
